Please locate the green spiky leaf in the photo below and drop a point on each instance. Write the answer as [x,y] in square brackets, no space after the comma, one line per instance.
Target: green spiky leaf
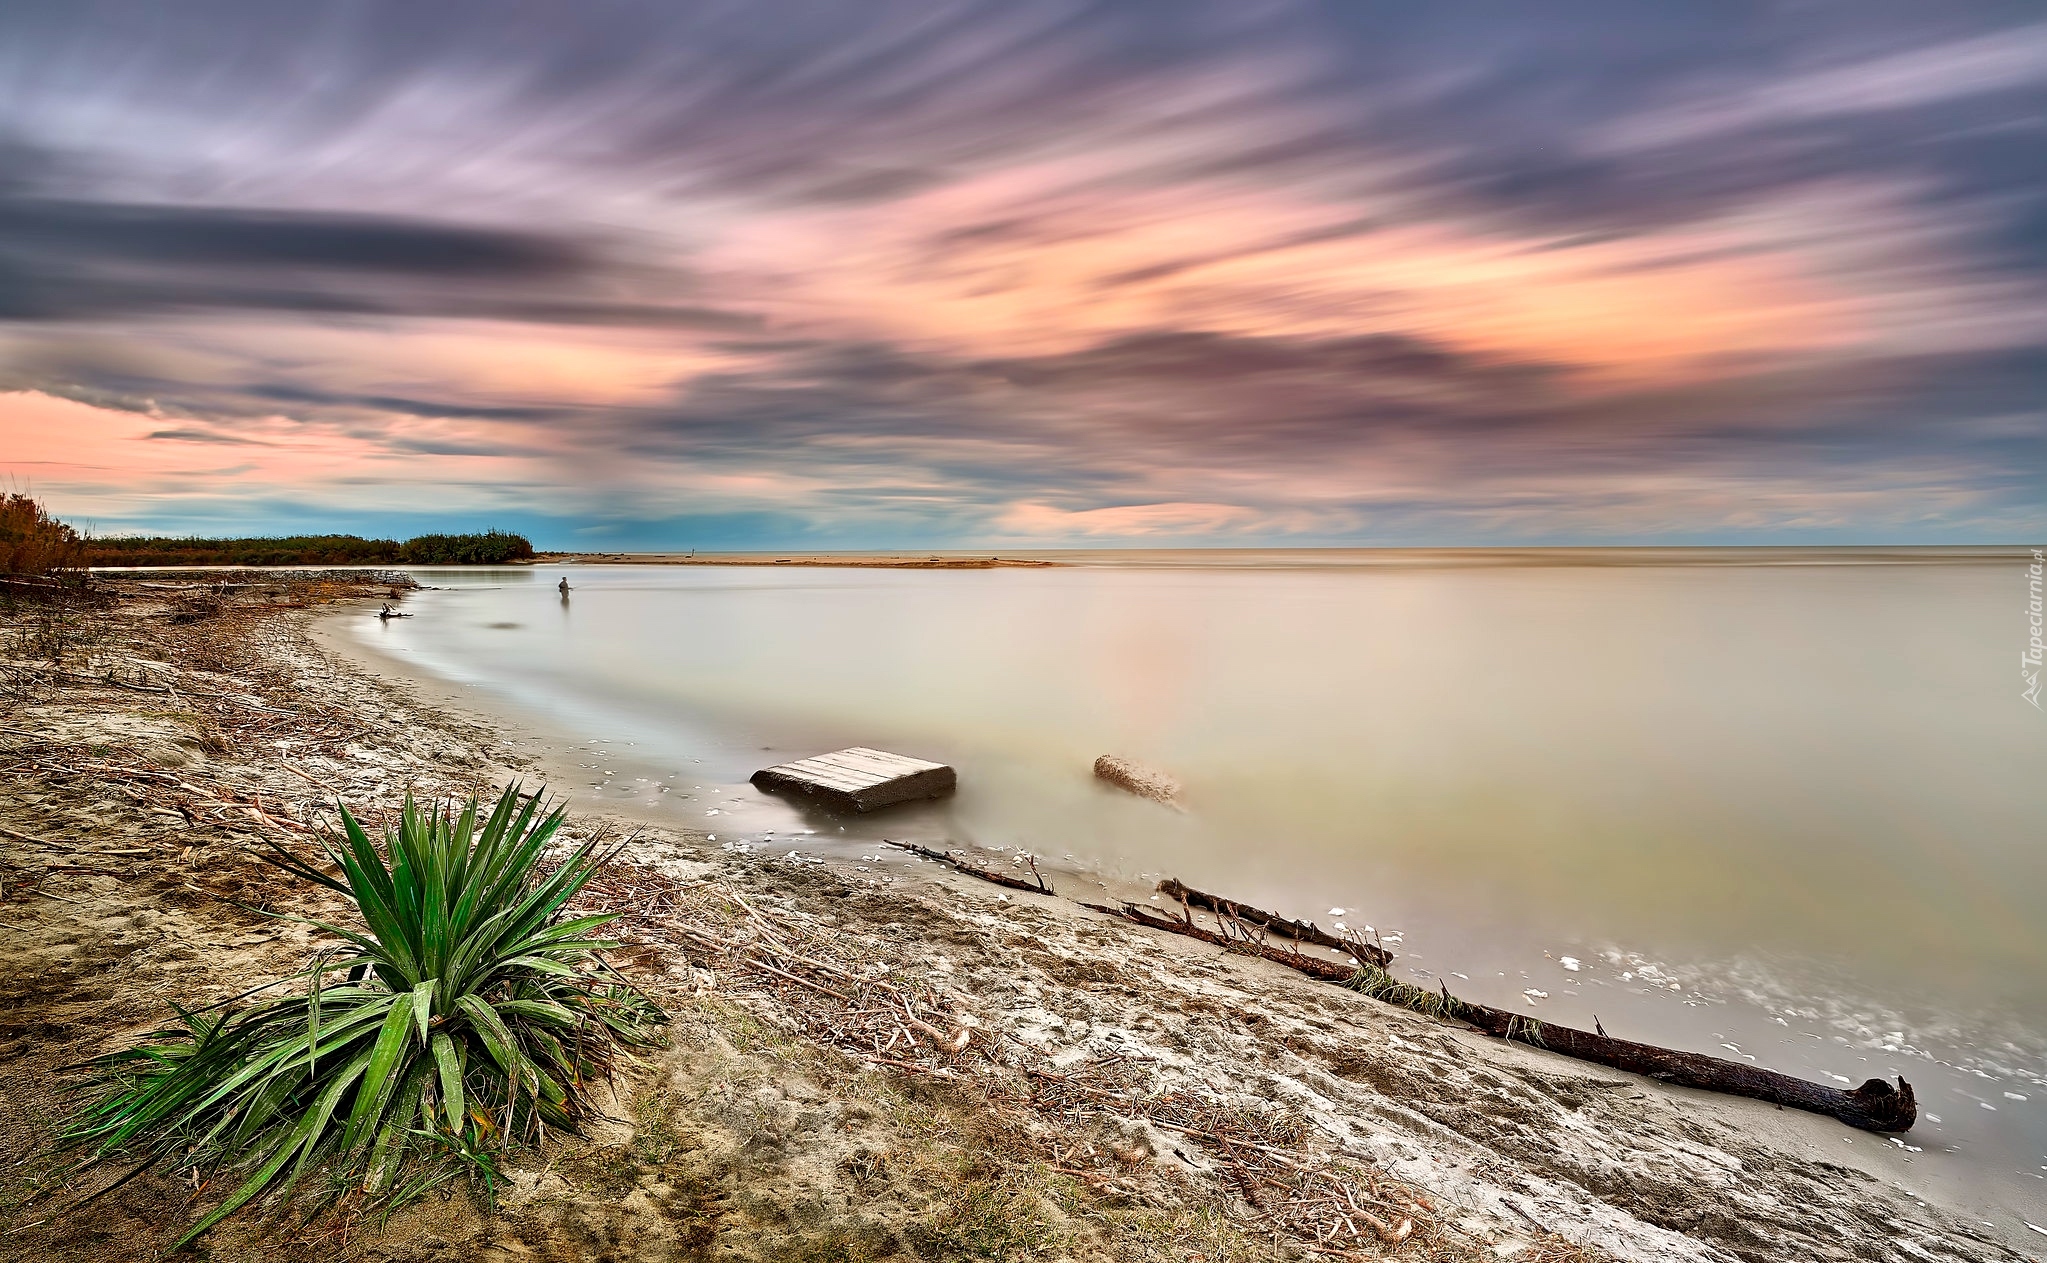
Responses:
[465,984]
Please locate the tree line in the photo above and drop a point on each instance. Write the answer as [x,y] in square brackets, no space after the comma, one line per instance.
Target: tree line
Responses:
[33,542]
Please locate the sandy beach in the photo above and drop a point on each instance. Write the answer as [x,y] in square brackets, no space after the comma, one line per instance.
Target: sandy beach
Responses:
[955,1071]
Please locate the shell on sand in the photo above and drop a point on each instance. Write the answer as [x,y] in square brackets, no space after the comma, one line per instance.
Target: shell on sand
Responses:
[1145,782]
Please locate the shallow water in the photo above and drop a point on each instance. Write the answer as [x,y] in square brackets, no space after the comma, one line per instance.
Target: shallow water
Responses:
[1777,805]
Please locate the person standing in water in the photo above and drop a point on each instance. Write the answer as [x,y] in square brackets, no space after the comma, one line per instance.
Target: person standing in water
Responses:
[565,587]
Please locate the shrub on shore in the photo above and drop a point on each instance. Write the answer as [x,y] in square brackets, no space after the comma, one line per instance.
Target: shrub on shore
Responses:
[32,543]
[487,548]
[290,550]
[466,1018]
[491,548]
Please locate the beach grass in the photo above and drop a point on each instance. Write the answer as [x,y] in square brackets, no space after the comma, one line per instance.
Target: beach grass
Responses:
[465,1018]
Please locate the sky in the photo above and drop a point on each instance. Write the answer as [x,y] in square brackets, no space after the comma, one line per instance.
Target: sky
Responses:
[1028,273]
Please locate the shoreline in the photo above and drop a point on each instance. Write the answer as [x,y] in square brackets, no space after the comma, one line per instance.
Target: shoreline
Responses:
[1336,556]
[1086,1031]
[866,561]
[1306,558]
[1939,1185]
[1954,1189]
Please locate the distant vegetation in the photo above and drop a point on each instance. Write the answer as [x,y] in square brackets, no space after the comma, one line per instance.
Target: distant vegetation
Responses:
[295,550]
[34,543]
[492,548]
[488,548]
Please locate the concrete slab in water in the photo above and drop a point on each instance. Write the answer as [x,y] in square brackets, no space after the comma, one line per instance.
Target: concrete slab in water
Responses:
[859,779]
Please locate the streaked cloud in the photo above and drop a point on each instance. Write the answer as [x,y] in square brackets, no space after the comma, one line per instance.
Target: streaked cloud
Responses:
[953,273]
[1976,66]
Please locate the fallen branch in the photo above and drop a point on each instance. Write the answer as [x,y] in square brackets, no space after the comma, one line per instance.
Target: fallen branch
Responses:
[1299,931]
[111,682]
[309,778]
[943,1072]
[1313,966]
[255,807]
[819,987]
[1875,1106]
[29,837]
[1039,887]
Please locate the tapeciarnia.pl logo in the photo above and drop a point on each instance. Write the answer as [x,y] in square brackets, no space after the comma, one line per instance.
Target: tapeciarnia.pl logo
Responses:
[2029,661]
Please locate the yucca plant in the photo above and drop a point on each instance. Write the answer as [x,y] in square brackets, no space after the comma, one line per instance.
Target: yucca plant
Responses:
[465,1018]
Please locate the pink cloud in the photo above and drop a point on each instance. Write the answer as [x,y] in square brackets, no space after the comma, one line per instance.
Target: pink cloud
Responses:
[94,463]
[1103,258]
[1127,520]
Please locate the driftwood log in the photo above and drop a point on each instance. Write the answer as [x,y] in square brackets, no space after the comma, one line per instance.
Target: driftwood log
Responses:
[1037,886]
[1875,1106]
[1136,778]
[1299,931]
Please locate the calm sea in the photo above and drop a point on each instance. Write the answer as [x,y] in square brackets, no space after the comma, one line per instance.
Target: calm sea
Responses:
[1770,804]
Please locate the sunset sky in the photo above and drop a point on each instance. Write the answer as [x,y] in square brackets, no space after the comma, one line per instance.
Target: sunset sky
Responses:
[1029,274]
